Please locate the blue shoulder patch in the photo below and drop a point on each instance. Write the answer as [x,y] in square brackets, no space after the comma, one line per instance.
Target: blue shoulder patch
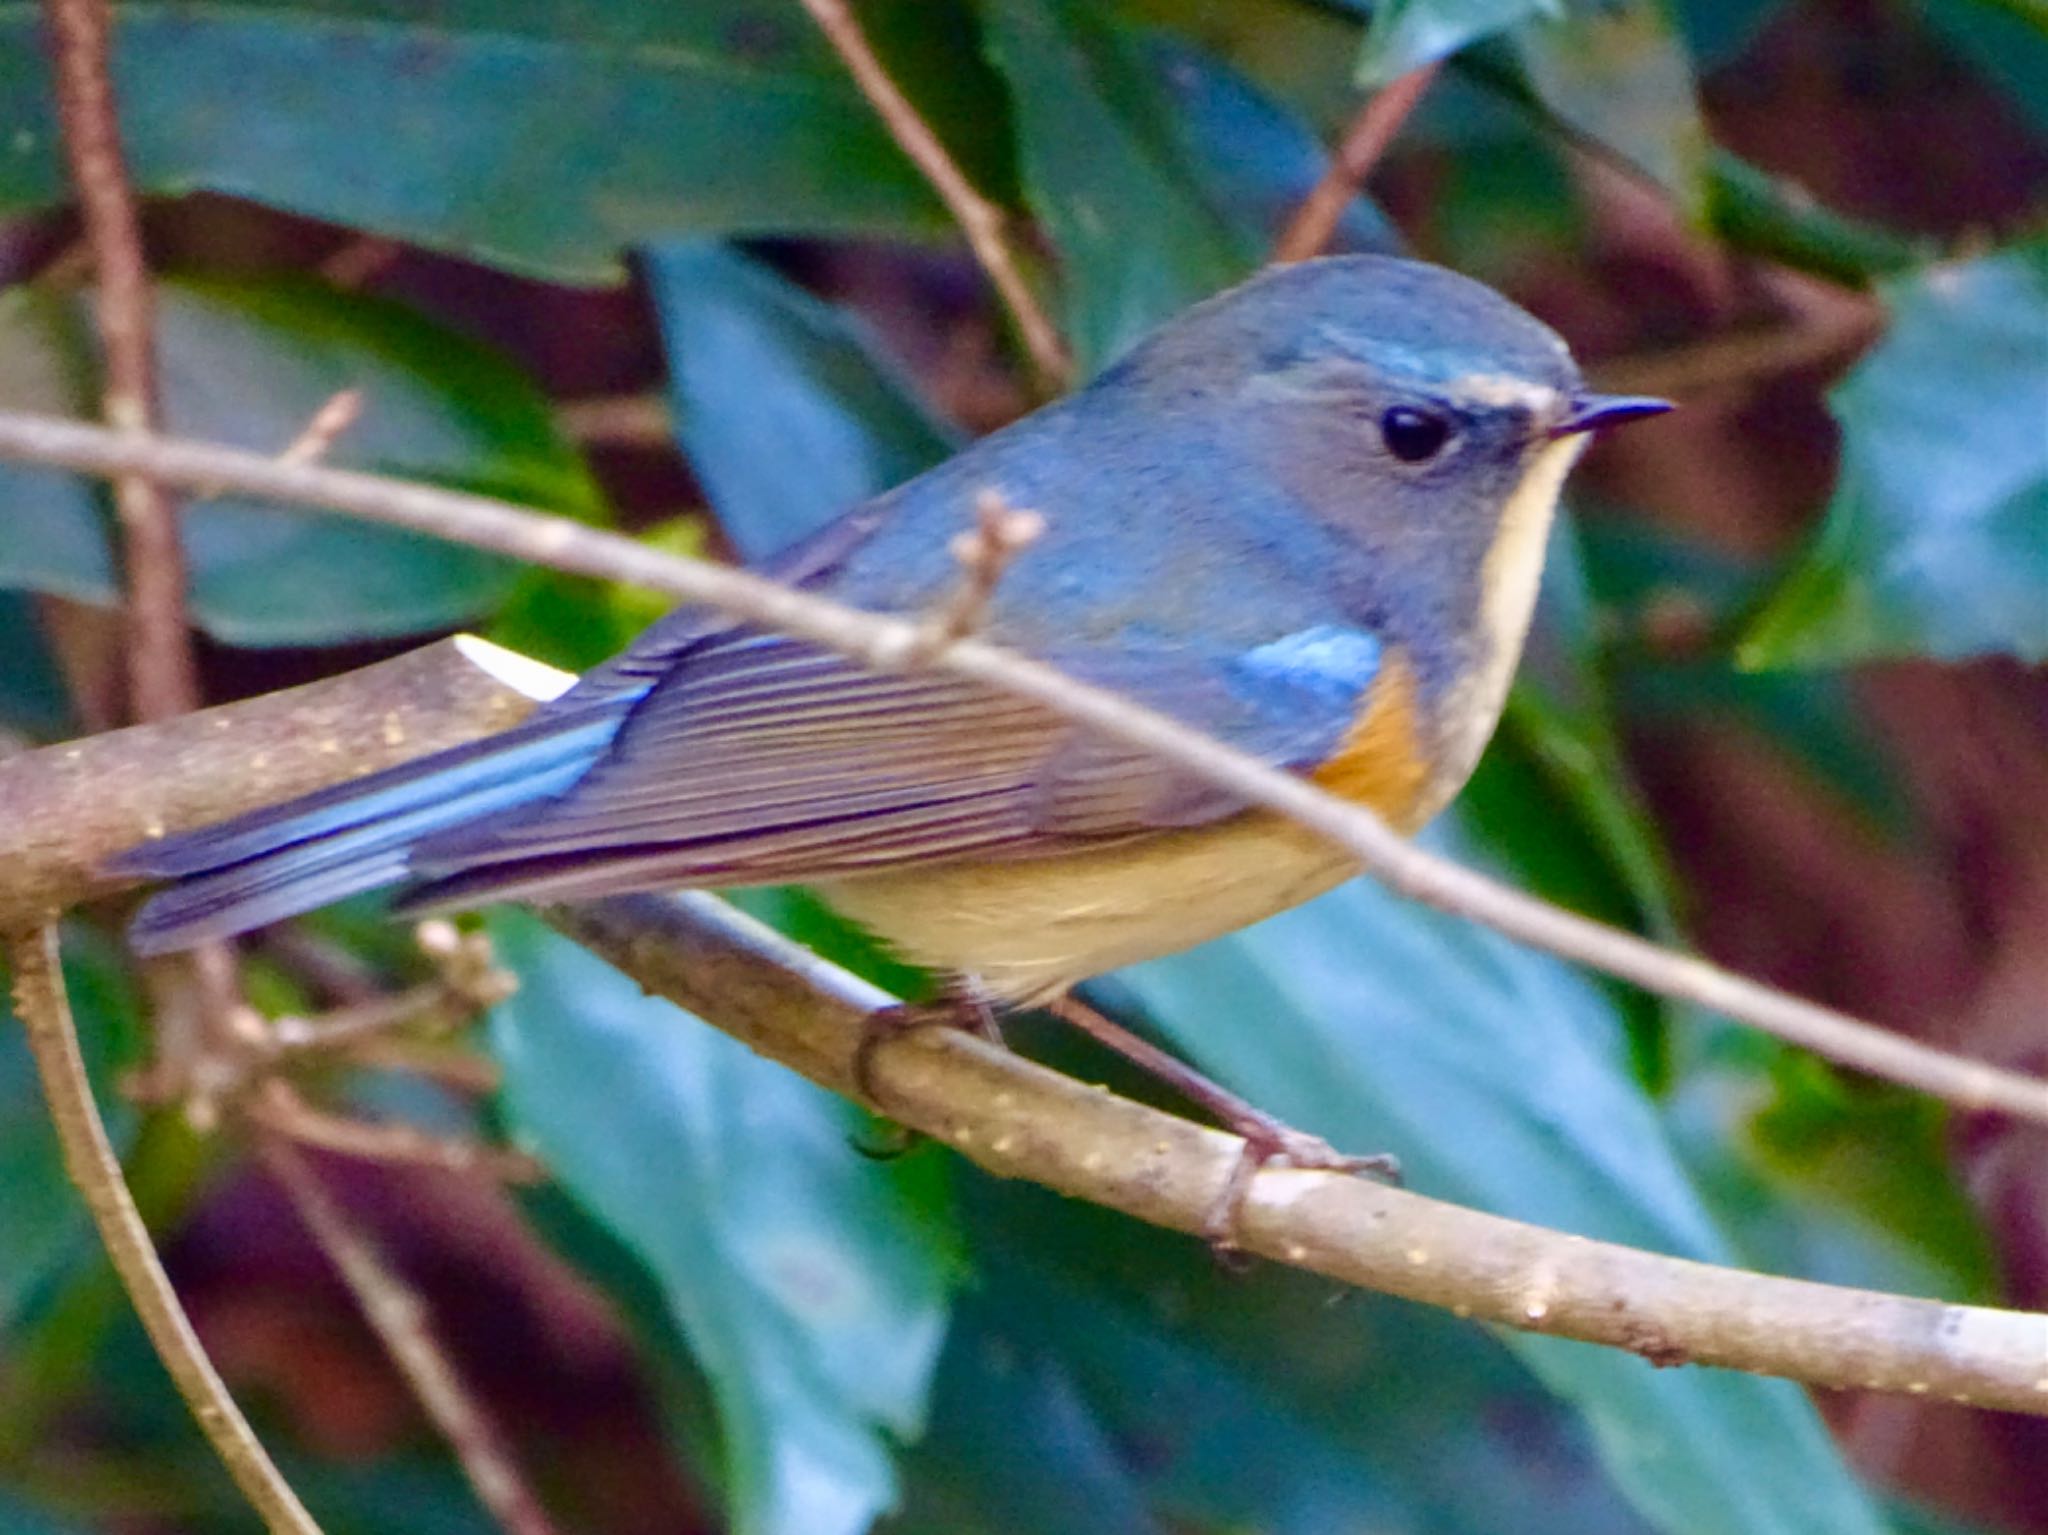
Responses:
[1336,662]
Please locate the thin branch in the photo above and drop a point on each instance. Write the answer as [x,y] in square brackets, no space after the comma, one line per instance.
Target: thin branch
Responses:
[984,552]
[618,421]
[162,677]
[1399,864]
[398,1315]
[980,220]
[278,1108]
[1018,1119]
[89,1159]
[324,428]
[1372,130]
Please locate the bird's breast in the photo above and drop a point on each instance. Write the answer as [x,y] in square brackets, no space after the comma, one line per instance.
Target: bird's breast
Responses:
[1028,928]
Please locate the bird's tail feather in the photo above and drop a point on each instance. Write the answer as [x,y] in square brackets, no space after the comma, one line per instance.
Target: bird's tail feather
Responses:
[275,863]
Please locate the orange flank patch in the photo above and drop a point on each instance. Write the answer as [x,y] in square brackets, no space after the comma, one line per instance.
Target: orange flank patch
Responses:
[1381,763]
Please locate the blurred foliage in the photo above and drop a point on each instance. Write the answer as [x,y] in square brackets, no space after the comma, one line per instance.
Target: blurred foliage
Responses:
[816,1341]
[1933,542]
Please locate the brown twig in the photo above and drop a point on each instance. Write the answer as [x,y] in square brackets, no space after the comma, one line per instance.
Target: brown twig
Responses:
[1372,130]
[399,1317]
[565,545]
[278,1108]
[163,679]
[980,220]
[317,438]
[1018,1119]
[89,1159]
[1000,533]
[618,421]
[360,260]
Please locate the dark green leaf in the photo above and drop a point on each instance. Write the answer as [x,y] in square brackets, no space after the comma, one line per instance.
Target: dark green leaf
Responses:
[1810,716]
[1499,1078]
[2007,40]
[810,1283]
[1252,156]
[1266,1400]
[541,137]
[789,413]
[1109,175]
[249,364]
[1619,74]
[32,693]
[1718,30]
[1406,34]
[1933,543]
[1757,212]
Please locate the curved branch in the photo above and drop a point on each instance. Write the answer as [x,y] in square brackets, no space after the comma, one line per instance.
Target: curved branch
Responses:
[89,1159]
[884,642]
[1019,1120]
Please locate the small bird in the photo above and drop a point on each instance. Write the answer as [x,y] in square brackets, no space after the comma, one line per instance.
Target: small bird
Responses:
[1308,516]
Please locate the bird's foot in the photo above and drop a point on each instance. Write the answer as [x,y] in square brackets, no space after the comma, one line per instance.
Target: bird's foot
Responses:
[1267,1141]
[1270,1143]
[955,1008]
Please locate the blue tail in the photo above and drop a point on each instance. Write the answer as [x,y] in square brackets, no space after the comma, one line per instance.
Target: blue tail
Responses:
[272,864]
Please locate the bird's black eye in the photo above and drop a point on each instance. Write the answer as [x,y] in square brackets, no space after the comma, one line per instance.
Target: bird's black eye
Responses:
[1413,435]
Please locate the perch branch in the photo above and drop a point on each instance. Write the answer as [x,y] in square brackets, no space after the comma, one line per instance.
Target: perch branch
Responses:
[877,640]
[1019,1120]
[89,1159]
[980,220]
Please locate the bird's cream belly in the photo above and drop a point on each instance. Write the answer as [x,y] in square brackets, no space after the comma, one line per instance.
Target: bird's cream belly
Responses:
[1027,929]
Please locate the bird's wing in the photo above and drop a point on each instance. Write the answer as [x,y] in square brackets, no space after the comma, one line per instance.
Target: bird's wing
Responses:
[759,759]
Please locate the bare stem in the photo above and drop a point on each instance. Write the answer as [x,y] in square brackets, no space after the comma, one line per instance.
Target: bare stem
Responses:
[980,220]
[162,677]
[399,1317]
[278,1107]
[880,641]
[89,1159]
[1372,130]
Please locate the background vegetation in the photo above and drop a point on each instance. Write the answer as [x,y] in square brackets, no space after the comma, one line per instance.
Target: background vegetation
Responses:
[659,266]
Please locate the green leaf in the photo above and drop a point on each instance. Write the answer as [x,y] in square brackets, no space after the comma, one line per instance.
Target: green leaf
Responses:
[1404,35]
[1252,156]
[33,697]
[1104,1371]
[1109,175]
[1933,543]
[809,1281]
[788,411]
[2006,40]
[1757,212]
[1619,74]
[1811,717]
[542,138]
[1499,1077]
[249,363]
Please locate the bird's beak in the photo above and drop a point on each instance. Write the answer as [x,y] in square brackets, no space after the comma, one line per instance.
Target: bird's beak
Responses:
[1597,412]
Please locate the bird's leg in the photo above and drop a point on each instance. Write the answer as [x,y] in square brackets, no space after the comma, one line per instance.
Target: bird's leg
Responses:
[960,1004]
[1266,1139]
